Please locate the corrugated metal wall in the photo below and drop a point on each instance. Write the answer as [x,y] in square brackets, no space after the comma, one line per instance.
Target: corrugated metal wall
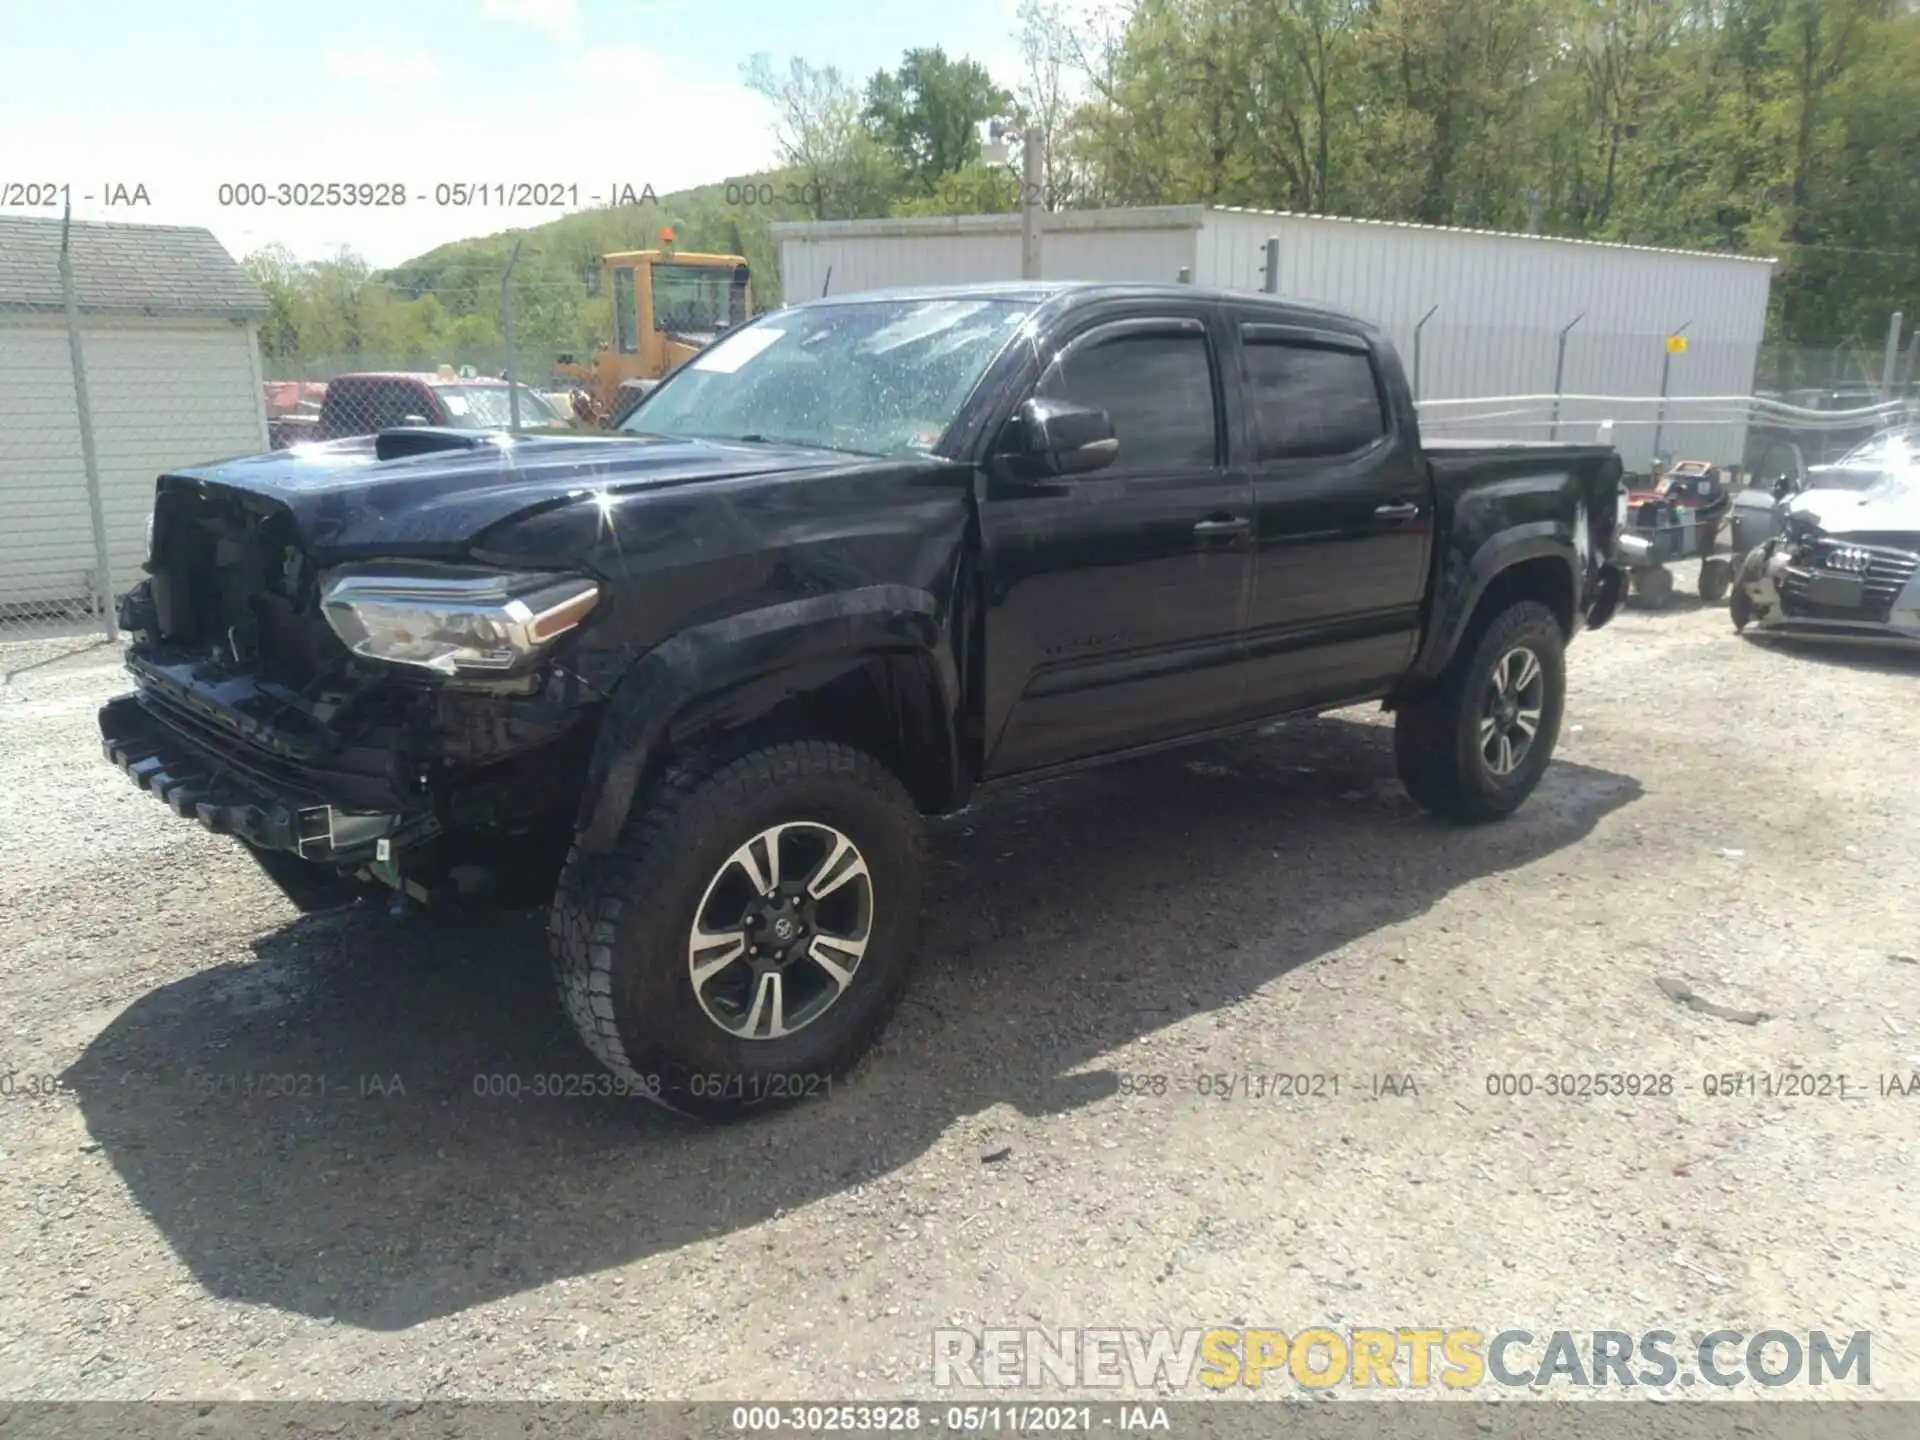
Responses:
[1502,298]
[1502,301]
[947,250]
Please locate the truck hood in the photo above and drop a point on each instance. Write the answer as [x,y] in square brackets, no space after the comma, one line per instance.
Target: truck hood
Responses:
[348,503]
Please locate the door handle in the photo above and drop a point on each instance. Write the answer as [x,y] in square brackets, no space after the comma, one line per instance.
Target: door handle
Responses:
[1216,526]
[1398,510]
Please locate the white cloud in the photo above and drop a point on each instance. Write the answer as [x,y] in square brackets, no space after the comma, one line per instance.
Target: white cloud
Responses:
[618,66]
[557,16]
[183,150]
[377,66]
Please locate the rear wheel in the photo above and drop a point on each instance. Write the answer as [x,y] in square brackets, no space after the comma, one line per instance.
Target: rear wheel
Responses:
[1716,578]
[1473,747]
[1653,587]
[1740,605]
[751,932]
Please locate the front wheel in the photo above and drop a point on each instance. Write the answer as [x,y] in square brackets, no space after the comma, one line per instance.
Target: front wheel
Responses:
[1473,746]
[750,933]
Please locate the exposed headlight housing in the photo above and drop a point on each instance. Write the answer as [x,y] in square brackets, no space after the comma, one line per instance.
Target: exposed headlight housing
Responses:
[449,619]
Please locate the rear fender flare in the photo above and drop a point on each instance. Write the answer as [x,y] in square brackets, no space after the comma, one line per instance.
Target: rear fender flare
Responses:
[755,659]
[1458,593]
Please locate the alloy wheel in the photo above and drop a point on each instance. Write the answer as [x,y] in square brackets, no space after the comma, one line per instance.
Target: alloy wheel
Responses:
[1510,718]
[780,930]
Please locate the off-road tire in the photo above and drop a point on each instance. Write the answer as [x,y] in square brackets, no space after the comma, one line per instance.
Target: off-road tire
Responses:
[620,922]
[1436,732]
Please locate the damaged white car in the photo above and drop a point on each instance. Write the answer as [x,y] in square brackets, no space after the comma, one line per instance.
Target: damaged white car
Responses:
[1846,565]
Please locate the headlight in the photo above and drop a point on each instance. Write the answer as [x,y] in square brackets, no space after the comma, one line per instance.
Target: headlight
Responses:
[447,619]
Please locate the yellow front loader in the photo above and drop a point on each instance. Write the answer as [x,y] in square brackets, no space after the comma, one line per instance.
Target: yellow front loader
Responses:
[667,306]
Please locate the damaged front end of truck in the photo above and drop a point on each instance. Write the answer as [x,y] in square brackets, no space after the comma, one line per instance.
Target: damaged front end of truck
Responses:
[412,723]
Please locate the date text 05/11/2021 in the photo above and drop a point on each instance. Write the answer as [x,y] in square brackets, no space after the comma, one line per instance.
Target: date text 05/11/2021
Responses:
[456,194]
[1013,1419]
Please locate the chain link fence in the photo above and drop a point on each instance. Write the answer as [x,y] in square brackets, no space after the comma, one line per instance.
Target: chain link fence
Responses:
[56,547]
[127,351]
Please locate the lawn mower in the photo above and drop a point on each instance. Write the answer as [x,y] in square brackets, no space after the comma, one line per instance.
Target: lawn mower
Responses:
[1679,518]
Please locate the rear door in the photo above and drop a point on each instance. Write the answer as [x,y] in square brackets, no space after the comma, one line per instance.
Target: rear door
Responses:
[1343,518]
[1116,599]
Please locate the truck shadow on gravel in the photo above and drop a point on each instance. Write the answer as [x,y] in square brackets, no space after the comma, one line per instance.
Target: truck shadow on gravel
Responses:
[319,1131]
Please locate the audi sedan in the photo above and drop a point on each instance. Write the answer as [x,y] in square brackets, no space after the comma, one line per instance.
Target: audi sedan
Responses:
[1847,563]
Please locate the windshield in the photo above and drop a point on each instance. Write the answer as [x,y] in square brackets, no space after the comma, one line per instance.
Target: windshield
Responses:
[881,378]
[486,407]
[1891,456]
[695,299]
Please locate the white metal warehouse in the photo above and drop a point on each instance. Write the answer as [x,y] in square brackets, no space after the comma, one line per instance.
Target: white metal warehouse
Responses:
[1494,303]
[167,322]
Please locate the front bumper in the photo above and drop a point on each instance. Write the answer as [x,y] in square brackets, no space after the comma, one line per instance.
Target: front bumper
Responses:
[1859,632]
[1884,610]
[203,776]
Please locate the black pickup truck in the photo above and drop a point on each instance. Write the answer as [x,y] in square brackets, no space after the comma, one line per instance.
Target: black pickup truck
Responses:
[699,681]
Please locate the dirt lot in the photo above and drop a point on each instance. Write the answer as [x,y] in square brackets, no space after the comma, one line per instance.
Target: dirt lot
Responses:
[1740,819]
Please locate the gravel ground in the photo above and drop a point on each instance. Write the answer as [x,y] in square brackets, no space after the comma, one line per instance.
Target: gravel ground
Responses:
[1726,815]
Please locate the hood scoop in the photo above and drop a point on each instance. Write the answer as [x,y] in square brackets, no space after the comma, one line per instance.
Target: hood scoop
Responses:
[401,441]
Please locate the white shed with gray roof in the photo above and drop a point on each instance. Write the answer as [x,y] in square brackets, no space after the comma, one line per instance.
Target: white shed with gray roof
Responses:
[168,326]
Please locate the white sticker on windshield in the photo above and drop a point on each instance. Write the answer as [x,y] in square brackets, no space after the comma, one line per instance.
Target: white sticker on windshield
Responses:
[456,404]
[734,351]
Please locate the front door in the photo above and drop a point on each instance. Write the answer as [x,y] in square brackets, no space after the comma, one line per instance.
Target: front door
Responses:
[1115,599]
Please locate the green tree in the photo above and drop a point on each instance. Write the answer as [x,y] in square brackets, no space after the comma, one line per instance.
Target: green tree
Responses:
[839,170]
[284,282]
[928,112]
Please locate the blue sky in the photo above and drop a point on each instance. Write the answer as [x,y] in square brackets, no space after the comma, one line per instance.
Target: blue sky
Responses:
[183,95]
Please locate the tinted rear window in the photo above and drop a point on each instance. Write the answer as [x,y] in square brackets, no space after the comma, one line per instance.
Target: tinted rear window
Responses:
[1310,400]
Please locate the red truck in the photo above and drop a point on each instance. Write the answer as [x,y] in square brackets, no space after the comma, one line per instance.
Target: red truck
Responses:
[371,401]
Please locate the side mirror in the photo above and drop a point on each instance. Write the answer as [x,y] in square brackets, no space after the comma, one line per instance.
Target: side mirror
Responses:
[413,420]
[1058,437]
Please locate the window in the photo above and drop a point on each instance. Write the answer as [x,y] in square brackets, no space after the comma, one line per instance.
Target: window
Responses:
[1311,400]
[692,299]
[1158,389]
[394,401]
[626,322]
[488,407]
[879,377]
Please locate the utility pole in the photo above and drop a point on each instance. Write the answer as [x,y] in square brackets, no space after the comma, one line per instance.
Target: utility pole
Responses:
[1031,201]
